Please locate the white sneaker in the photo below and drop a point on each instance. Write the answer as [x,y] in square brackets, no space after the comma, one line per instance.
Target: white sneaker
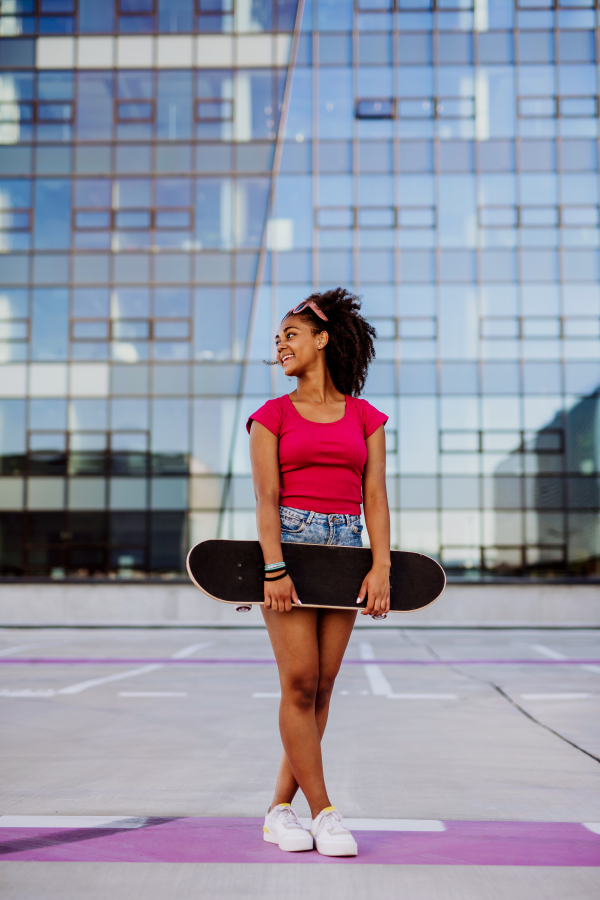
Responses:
[283,827]
[331,835]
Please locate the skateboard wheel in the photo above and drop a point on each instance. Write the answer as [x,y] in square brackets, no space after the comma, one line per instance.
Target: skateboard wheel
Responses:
[384,616]
[243,608]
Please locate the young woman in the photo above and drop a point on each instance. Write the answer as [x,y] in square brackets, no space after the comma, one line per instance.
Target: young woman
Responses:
[316,453]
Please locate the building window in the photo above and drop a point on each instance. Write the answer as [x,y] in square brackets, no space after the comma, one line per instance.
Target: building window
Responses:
[375,109]
[132,111]
[214,110]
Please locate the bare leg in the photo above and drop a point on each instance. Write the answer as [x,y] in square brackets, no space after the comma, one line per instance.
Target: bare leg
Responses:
[309,646]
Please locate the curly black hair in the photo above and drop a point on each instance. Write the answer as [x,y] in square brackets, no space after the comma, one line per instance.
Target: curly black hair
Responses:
[350,349]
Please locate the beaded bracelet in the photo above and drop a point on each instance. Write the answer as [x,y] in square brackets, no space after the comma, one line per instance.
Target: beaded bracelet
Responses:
[272,567]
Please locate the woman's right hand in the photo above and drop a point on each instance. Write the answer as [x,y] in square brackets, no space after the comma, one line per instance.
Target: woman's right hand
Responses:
[281,595]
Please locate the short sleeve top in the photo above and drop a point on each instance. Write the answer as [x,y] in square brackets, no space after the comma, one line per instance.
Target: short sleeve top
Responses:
[321,464]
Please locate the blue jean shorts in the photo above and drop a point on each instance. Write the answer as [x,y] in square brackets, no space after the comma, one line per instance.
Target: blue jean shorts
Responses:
[299,526]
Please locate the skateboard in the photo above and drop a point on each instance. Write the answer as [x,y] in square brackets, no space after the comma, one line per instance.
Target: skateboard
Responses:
[327,577]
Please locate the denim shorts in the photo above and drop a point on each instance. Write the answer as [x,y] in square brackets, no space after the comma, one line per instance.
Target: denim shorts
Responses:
[299,526]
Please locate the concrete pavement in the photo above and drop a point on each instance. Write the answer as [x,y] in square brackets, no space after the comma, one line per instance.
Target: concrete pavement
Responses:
[430,725]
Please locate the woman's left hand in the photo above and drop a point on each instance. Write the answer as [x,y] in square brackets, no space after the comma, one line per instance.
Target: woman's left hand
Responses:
[377,586]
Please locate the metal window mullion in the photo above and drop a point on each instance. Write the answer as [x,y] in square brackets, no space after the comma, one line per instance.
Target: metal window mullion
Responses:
[315,249]
[355,39]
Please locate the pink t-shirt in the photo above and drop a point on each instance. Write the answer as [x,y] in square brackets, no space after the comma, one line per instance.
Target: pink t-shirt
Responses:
[321,463]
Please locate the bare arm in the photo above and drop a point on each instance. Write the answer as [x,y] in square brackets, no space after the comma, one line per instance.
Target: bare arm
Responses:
[264,456]
[377,517]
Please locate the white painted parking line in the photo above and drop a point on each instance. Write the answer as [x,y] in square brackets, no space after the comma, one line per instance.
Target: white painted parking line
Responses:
[424,696]
[12,651]
[73,821]
[547,652]
[592,826]
[132,673]
[193,648]
[555,696]
[27,692]
[119,676]
[380,686]
[140,821]
[591,668]
[152,694]
[388,824]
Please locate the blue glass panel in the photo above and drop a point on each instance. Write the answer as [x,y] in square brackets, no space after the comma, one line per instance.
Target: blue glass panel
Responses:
[94,106]
[136,24]
[335,104]
[56,25]
[334,15]
[175,16]
[91,303]
[264,114]
[55,7]
[213,212]
[94,17]
[15,193]
[250,211]
[55,112]
[213,84]
[14,303]
[48,414]
[173,302]
[12,427]
[294,202]
[132,219]
[16,86]
[174,106]
[21,6]
[55,85]
[257,15]
[173,192]
[52,214]
[375,109]
[130,303]
[93,192]
[286,14]
[129,414]
[299,121]
[133,193]
[415,81]
[50,324]
[136,6]
[17,54]
[134,112]
[458,324]
[135,85]
[212,323]
[170,426]
[213,430]
[89,351]
[88,415]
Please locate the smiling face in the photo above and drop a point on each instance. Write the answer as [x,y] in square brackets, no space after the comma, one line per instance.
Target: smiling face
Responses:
[298,348]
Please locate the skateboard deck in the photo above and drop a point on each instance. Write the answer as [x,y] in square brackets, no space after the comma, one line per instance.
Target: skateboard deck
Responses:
[324,576]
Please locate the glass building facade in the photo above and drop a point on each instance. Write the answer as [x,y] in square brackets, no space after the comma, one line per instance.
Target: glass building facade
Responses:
[176,174]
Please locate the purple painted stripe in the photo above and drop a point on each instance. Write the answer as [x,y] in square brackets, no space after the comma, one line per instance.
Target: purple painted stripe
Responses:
[235,840]
[226,661]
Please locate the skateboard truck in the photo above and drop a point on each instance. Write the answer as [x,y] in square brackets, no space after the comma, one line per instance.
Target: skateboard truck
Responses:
[384,616]
[243,608]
